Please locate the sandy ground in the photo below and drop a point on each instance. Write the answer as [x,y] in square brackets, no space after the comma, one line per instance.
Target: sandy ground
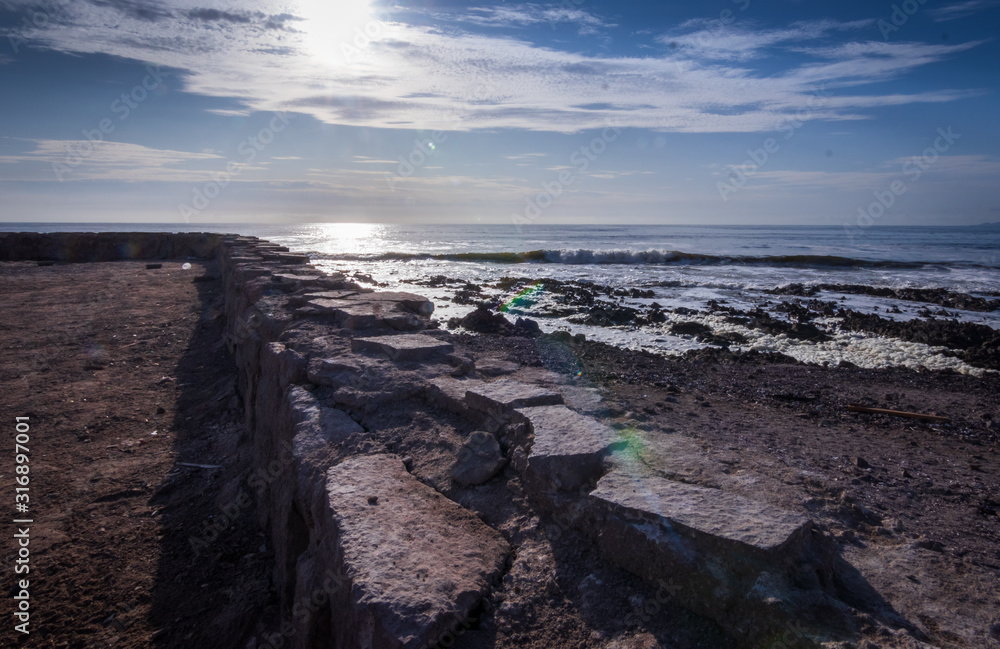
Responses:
[123,375]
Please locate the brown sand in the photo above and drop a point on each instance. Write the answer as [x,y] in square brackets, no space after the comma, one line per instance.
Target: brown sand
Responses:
[100,356]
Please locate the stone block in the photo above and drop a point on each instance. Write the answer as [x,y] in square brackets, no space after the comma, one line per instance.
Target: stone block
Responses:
[478,460]
[401,561]
[500,398]
[755,569]
[358,313]
[567,450]
[449,393]
[405,347]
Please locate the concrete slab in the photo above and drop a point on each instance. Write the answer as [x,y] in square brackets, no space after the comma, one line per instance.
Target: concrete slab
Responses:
[567,449]
[449,393]
[411,560]
[500,398]
[337,372]
[287,257]
[359,313]
[404,347]
[491,367]
[696,511]
[753,568]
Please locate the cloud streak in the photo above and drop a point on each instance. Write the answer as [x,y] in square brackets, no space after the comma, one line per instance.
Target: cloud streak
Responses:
[961,9]
[116,161]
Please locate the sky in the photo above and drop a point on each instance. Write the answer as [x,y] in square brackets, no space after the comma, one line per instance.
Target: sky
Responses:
[451,111]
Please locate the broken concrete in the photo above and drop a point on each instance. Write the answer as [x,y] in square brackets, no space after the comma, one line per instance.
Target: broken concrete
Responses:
[478,460]
[500,398]
[567,450]
[753,568]
[382,558]
[405,348]
[360,313]
[406,560]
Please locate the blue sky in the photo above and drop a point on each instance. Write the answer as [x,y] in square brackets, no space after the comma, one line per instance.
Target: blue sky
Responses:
[576,111]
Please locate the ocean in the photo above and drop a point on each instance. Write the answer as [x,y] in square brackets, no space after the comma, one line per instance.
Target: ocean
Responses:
[700,274]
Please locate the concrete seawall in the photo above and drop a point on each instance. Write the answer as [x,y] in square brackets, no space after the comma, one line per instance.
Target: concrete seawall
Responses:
[402,489]
[358,514]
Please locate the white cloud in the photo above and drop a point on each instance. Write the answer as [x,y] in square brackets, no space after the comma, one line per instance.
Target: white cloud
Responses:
[85,160]
[714,40]
[943,170]
[279,57]
[525,156]
[365,160]
[530,14]
[961,9]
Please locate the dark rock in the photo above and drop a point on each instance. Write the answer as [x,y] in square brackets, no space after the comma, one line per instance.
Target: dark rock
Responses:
[478,460]
[485,321]
[690,329]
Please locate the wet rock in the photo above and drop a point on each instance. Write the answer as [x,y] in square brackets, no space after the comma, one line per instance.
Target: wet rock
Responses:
[526,328]
[751,357]
[980,344]
[485,321]
[478,460]
[690,329]
[938,296]
[606,315]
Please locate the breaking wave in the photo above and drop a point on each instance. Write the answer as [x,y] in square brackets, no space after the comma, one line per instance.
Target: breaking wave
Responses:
[632,257]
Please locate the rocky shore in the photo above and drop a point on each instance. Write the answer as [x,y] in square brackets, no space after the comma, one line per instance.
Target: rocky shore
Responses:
[424,488]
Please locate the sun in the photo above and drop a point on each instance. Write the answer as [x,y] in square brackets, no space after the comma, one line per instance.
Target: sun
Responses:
[339,32]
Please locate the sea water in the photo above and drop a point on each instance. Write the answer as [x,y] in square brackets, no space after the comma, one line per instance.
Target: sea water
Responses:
[684,266]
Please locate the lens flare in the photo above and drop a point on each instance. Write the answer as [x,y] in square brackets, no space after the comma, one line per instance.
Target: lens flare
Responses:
[524,298]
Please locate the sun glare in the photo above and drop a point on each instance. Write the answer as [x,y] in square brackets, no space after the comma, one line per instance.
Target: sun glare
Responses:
[351,238]
[339,32]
